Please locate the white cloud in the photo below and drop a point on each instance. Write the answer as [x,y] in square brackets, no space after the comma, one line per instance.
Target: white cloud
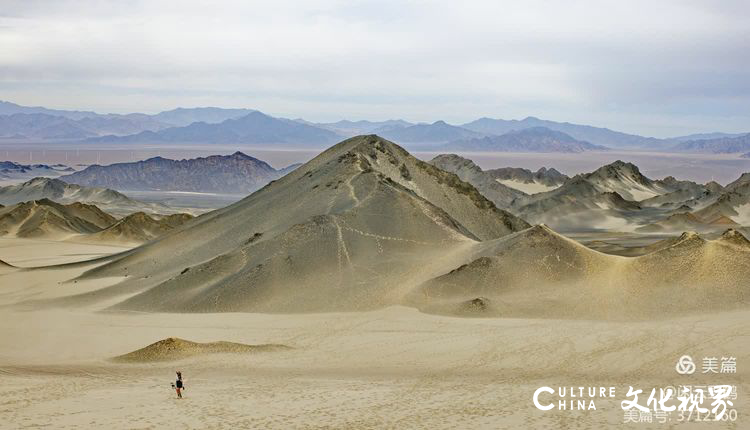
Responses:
[638,65]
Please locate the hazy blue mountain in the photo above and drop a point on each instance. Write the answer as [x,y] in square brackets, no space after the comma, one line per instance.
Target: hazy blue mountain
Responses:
[230,174]
[719,145]
[437,132]
[255,127]
[116,124]
[535,139]
[45,126]
[701,136]
[353,128]
[8,108]
[595,135]
[211,115]
[121,124]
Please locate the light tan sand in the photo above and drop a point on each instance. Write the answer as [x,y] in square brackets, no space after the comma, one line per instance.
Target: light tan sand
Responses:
[391,368]
[39,252]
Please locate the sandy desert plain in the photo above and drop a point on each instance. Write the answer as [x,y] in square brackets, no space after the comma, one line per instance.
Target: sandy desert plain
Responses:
[326,357]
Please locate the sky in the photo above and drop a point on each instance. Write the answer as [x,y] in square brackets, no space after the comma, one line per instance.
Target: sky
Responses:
[657,68]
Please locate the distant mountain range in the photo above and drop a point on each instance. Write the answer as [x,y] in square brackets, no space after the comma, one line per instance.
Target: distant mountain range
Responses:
[717,145]
[208,125]
[44,126]
[253,128]
[354,128]
[595,135]
[437,132]
[703,136]
[181,117]
[535,139]
[228,174]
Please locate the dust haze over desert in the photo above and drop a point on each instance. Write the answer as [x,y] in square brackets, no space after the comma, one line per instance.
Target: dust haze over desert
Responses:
[374,214]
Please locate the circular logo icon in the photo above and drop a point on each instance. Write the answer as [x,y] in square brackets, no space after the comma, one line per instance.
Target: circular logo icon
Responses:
[685,365]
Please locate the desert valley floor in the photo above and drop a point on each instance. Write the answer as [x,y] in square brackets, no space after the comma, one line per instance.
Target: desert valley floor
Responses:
[389,368]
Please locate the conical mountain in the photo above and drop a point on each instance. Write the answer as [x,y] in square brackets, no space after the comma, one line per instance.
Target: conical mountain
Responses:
[348,230]
[734,237]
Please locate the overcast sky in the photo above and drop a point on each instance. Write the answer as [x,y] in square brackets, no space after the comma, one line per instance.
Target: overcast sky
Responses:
[655,68]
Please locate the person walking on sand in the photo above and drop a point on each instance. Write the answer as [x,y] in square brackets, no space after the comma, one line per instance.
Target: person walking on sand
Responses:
[178,385]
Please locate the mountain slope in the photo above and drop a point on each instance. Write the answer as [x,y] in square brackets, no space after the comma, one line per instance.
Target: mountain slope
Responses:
[743,179]
[47,219]
[139,228]
[236,173]
[347,230]
[734,203]
[538,273]
[501,195]
[604,199]
[627,180]
[527,181]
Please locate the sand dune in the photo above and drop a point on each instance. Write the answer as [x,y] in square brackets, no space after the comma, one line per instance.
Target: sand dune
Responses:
[364,226]
[542,274]
[632,251]
[5,267]
[139,227]
[173,348]
[680,222]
